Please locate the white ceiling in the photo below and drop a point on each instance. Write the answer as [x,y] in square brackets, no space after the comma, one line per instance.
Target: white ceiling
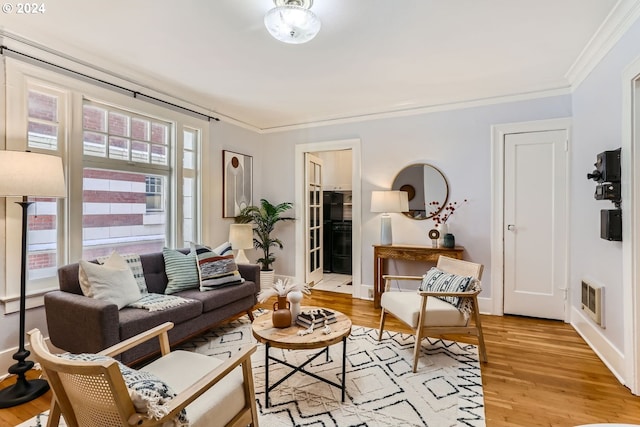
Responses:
[371,56]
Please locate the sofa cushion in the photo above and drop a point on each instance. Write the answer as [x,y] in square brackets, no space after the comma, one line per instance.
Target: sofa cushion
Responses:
[134,320]
[112,282]
[181,270]
[135,265]
[219,297]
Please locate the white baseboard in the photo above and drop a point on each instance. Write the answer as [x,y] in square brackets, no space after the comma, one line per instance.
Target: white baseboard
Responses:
[485,305]
[606,351]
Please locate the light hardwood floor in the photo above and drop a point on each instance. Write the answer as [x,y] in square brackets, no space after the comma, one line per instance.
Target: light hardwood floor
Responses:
[540,372]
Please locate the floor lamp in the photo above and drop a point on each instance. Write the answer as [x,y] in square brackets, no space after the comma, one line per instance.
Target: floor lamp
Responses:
[26,174]
[241,238]
[387,202]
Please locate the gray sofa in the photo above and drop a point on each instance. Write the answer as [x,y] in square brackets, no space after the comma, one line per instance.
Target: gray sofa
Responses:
[79,324]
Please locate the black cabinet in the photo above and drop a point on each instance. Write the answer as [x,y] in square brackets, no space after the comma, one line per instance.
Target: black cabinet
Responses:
[341,247]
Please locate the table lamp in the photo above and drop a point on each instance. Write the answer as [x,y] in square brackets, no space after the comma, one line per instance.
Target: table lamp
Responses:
[388,202]
[25,174]
[241,238]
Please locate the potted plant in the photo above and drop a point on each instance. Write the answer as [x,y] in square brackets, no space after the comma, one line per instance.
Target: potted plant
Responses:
[265,217]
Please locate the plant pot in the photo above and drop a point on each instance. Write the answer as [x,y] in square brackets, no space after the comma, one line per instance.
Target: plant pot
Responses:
[266,278]
[281,317]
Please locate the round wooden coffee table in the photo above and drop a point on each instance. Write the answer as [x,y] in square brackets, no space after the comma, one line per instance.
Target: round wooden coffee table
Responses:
[288,338]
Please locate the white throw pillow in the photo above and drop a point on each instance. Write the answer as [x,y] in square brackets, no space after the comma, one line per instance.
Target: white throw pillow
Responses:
[112,282]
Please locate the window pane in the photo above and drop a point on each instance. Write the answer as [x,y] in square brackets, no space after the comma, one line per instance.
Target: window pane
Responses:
[159,155]
[42,135]
[160,133]
[42,237]
[95,144]
[115,214]
[118,148]
[42,106]
[140,151]
[188,208]
[189,140]
[140,129]
[94,118]
[118,124]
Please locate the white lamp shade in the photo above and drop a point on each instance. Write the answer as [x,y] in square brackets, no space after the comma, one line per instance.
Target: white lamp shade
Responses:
[241,236]
[389,201]
[292,24]
[24,173]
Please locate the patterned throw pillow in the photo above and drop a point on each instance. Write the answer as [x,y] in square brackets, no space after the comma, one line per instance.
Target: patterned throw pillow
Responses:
[223,249]
[149,393]
[215,270]
[181,270]
[438,281]
[135,265]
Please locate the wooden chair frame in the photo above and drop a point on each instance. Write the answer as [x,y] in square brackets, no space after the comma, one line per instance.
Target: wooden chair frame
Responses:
[449,265]
[108,371]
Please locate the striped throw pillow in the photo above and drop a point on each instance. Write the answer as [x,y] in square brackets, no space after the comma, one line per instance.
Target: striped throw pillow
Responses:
[438,281]
[181,270]
[215,270]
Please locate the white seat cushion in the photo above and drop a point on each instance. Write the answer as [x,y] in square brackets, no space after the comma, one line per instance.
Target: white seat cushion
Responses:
[406,307]
[218,405]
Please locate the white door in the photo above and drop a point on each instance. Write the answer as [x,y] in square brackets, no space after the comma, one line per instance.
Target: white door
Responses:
[313,225]
[535,216]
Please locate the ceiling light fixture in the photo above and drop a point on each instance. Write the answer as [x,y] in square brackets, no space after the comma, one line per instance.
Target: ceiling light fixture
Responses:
[292,22]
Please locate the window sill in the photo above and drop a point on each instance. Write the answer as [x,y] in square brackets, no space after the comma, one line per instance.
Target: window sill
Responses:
[34,300]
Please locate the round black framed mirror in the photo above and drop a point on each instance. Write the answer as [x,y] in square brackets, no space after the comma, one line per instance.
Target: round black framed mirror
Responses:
[424,185]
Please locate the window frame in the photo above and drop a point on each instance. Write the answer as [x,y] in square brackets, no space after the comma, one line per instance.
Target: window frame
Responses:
[18,75]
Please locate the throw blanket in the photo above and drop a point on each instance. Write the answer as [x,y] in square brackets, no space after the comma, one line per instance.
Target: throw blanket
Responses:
[157,302]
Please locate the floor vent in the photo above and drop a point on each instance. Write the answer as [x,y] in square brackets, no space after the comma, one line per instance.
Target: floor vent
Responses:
[592,301]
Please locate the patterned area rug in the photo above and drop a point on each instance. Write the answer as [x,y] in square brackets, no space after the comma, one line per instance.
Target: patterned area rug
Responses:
[381,388]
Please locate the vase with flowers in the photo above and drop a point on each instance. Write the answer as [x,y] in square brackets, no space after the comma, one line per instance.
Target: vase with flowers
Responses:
[440,215]
[283,309]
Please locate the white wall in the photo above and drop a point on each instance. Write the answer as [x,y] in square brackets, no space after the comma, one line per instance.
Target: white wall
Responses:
[597,126]
[457,142]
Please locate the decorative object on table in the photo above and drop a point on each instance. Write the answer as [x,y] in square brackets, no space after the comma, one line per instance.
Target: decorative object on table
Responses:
[449,241]
[27,174]
[434,235]
[265,217]
[241,238]
[440,215]
[315,318]
[294,298]
[281,289]
[292,22]
[237,183]
[281,317]
[386,202]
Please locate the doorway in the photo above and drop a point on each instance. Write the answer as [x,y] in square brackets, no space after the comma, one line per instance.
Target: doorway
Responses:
[529,220]
[354,211]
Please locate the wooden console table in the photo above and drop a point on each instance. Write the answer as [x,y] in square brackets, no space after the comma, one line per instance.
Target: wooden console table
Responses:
[406,253]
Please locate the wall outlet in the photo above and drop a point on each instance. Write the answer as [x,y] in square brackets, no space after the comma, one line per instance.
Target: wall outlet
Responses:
[370,293]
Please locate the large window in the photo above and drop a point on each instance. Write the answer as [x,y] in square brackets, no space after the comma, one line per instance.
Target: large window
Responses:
[131,167]
[45,134]
[127,168]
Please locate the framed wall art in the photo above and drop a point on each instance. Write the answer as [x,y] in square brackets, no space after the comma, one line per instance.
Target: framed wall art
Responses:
[237,183]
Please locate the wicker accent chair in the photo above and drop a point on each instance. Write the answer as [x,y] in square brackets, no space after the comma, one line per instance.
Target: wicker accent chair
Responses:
[94,394]
[430,316]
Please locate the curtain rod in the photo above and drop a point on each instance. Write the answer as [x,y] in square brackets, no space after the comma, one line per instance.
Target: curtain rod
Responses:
[133,93]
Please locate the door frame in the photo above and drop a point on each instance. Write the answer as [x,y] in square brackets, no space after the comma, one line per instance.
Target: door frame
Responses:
[300,210]
[498,133]
[630,161]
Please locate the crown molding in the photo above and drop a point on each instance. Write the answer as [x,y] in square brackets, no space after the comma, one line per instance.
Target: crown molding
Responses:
[615,25]
[422,110]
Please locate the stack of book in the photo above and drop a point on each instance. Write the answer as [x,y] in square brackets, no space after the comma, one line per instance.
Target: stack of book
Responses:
[316,318]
